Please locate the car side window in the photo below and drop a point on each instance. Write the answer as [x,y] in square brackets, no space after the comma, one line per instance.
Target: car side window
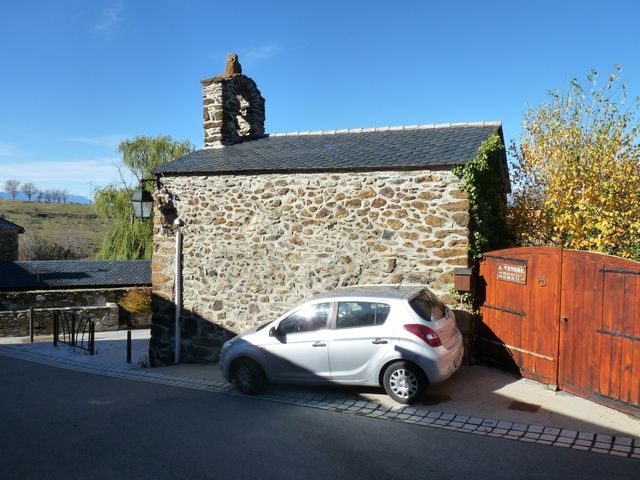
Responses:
[307,319]
[361,314]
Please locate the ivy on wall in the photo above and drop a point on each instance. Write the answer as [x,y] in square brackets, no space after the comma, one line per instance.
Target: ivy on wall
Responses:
[484,181]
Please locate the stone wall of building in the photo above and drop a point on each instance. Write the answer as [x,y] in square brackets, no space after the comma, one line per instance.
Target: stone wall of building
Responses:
[100,304]
[254,245]
[8,246]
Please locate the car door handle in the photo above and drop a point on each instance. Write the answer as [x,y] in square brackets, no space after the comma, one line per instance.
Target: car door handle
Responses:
[319,344]
[379,341]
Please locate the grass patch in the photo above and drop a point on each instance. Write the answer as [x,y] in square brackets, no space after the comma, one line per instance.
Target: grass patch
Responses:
[73,223]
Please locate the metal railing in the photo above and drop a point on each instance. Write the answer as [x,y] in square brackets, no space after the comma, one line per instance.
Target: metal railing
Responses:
[76,329]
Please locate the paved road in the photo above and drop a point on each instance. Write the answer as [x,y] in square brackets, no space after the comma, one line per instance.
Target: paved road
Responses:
[63,424]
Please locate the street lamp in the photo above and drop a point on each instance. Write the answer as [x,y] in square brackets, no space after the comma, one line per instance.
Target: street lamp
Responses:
[142,203]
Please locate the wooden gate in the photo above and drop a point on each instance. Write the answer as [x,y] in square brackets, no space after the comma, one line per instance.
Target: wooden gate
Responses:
[566,318]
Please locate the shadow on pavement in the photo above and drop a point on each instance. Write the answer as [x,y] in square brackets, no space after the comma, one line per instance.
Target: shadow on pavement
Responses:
[475,391]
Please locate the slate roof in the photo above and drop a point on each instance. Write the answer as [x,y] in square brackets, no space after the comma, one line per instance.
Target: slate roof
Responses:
[7,226]
[388,148]
[74,274]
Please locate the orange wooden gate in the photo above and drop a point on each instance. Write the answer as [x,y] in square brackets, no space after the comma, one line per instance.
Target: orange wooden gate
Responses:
[565,318]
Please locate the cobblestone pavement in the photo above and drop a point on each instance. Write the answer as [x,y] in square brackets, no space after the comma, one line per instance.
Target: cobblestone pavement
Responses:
[558,437]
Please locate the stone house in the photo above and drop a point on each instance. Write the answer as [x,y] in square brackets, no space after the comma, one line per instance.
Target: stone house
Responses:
[9,243]
[93,287]
[267,220]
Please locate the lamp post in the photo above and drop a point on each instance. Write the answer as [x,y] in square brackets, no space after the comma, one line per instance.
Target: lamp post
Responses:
[142,203]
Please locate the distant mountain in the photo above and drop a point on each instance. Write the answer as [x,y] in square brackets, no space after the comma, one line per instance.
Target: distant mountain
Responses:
[70,199]
[78,199]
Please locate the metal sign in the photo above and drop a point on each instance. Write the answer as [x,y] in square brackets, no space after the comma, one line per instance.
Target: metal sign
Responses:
[512,273]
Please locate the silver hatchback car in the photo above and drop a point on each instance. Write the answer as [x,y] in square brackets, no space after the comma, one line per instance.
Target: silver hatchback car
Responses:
[399,337]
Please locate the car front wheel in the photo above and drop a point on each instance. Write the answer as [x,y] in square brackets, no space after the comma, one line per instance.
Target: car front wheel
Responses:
[248,376]
[404,382]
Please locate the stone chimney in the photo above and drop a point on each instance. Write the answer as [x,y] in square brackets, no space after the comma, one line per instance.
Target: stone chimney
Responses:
[233,107]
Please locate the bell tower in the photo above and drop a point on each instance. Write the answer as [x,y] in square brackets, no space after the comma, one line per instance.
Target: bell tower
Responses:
[233,107]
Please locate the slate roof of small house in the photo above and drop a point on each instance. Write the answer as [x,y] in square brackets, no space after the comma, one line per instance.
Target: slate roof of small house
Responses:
[389,148]
[74,274]
[7,226]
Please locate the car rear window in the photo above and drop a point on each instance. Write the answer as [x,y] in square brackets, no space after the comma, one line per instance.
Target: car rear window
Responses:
[428,306]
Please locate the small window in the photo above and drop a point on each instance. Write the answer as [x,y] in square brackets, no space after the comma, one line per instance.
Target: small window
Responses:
[307,319]
[361,314]
[428,306]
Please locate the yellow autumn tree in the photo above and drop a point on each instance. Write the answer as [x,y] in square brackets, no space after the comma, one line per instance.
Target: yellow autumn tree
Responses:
[577,171]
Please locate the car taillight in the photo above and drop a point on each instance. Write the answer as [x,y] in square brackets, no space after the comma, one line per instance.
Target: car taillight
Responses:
[425,333]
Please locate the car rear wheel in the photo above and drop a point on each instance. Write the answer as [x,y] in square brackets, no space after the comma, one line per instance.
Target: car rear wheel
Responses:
[248,376]
[404,382]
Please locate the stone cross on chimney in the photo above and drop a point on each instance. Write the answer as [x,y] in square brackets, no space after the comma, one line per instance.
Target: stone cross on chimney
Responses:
[233,107]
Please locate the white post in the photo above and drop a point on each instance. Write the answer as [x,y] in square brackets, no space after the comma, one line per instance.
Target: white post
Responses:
[178,289]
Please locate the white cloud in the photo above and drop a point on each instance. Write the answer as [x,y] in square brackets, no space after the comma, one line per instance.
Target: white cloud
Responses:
[260,52]
[101,140]
[73,175]
[109,19]
[8,150]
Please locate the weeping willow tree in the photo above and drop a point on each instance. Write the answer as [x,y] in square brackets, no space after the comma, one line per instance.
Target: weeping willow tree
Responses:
[130,238]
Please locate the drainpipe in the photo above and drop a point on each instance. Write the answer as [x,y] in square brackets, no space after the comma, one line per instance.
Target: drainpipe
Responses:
[178,285]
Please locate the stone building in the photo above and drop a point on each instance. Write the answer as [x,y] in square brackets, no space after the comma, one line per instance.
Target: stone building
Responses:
[267,220]
[92,287]
[9,243]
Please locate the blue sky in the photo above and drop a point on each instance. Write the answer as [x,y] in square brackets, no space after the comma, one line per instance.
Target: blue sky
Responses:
[77,76]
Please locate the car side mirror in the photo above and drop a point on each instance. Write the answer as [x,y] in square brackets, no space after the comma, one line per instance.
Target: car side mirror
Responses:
[273,332]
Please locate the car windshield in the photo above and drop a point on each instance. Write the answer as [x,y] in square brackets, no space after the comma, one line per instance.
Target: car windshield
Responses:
[264,325]
[428,306]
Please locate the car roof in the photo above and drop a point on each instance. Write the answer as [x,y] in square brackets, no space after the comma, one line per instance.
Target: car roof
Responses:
[367,291]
